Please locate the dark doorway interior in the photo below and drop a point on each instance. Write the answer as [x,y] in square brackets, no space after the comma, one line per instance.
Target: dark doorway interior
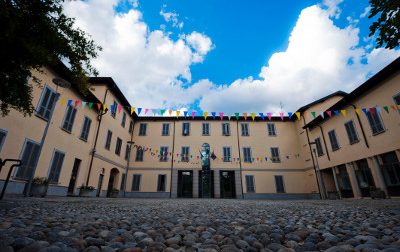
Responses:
[344,182]
[227,182]
[185,184]
[74,175]
[211,185]
[111,181]
[364,177]
[391,172]
[100,185]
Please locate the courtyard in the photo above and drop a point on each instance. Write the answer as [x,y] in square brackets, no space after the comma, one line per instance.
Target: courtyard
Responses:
[99,224]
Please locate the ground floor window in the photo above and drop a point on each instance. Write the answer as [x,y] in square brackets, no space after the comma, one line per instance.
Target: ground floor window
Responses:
[279,184]
[56,165]
[250,188]
[30,154]
[162,178]
[136,182]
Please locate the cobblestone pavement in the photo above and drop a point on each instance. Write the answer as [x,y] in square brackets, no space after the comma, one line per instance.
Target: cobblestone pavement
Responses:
[76,224]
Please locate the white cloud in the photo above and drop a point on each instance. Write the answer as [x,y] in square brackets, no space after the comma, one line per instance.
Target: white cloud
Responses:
[332,6]
[366,12]
[171,17]
[200,43]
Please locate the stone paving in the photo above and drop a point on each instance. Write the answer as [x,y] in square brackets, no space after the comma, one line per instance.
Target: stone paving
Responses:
[83,224]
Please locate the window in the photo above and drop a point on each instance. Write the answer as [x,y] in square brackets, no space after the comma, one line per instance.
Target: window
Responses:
[139,154]
[396,99]
[123,120]
[375,122]
[275,155]
[247,154]
[130,127]
[318,145]
[185,154]
[127,152]
[3,135]
[122,187]
[114,109]
[29,158]
[250,184]
[69,118]
[279,184]
[271,129]
[226,151]
[245,129]
[142,129]
[56,165]
[47,100]
[185,129]
[164,154]
[108,140]
[161,183]
[226,129]
[333,140]
[118,146]
[351,132]
[206,129]
[136,182]
[165,129]
[85,128]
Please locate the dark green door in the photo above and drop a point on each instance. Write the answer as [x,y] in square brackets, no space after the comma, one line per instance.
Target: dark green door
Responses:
[227,183]
[185,184]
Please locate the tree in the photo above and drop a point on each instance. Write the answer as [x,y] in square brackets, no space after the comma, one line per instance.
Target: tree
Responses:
[33,34]
[388,23]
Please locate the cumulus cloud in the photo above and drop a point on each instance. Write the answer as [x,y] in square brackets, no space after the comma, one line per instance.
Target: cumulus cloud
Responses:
[366,12]
[171,17]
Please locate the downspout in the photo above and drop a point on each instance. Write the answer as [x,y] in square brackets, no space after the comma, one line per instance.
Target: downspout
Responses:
[240,159]
[99,117]
[129,157]
[362,128]
[312,157]
[323,138]
[172,161]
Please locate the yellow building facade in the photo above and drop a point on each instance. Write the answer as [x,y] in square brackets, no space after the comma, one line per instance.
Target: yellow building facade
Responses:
[115,151]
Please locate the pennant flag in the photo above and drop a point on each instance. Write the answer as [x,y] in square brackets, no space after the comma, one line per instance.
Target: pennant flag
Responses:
[343,112]
[76,103]
[281,114]
[99,105]
[213,115]
[322,114]
[372,110]
[269,115]
[205,114]
[193,114]
[386,108]
[378,109]
[290,114]
[146,110]
[138,111]
[313,114]
[364,110]
[119,108]
[104,107]
[154,111]
[329,113]
[229,117]
[393,107]
[178,112]
[185,113]
[170,112]
[162,111]
[298,115]
[112,107]
[83,104]
[90,105]
[132,110]
[336,112]
[63,101]
[253,115]
[69,102]
[221,115]
[237,116]
[245,115]
[358,111]
[262,116]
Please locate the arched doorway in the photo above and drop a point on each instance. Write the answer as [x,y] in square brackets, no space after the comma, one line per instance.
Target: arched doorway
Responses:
[112,181]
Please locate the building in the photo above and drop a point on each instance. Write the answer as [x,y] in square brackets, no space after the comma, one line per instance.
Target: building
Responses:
[353,145]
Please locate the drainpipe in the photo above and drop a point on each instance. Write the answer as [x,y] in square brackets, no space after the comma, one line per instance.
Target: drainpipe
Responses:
[323,138]
[99,117]
[313,161]
[240,159]
[172,161]
[362,128]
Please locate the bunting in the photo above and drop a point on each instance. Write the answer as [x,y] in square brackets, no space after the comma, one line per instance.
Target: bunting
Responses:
[221,115]
[253,115]
[139,110]
[262,116]
[213,115]
[269,115]
[132,110]
[205,114]
[298,115]
[343,112]
[245,116]
[237,116]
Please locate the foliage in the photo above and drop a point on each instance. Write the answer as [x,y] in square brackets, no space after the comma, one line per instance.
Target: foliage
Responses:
[36,33]
[40,181]
[85,187]
[388,23]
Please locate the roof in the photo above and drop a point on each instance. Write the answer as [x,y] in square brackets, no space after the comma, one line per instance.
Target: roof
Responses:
[366,87]
[209,118]
[337,93]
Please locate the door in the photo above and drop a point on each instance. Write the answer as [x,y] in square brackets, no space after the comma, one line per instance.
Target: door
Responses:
[227,183]
[100,184]
[364,177]
[113,175]
[209,182]
[185,184]
[74,175]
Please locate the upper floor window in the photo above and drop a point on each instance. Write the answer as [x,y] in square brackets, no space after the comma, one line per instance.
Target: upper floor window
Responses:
[127,152]
[318,144]
[250,188]
[139,154]
[164,154]
[185,154]
[123,120]
[245,129]
[271,129]
[375,122]
[3,135]
[247,154]
[56,164]
[351,132]
[85,128]
[130,127]
[108,140]
[46,103]
[165,129]
[206,129]
[227,154]
[118,146]
[275,155]
[185,129]
[333,140]
[114,109]
[226,129]
[280,188]
[69,118]
[142,129]
[396,99]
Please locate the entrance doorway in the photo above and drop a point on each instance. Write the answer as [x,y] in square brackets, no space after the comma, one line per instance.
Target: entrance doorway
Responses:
[99,185]
[185,184]
[344,182]
[364,177]
[211,185]
[113,177]
[74,175]
[227,183]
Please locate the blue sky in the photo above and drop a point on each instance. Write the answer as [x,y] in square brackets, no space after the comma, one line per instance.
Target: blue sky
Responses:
[244,56]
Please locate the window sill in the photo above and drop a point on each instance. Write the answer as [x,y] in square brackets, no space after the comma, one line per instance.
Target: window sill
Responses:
[85,140]
[378,133]
[205,134]
[69,132]
[41,117]
[351,143]
[336,149]
[272,135]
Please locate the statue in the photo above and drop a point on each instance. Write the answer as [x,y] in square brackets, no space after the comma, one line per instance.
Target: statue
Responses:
[205,157]
[205,171]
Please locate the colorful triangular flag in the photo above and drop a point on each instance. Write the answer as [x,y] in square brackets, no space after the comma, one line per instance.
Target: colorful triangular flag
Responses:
[132,110]
[386,108]
[221,115]
[253,115]
[298,115]
[262,116]
[245,115]
[269,115]
[139,110]
[213,115]
[313,114]
[343,112]
[205,114]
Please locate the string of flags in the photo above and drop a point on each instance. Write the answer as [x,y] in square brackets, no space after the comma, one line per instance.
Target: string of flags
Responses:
[186,114]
